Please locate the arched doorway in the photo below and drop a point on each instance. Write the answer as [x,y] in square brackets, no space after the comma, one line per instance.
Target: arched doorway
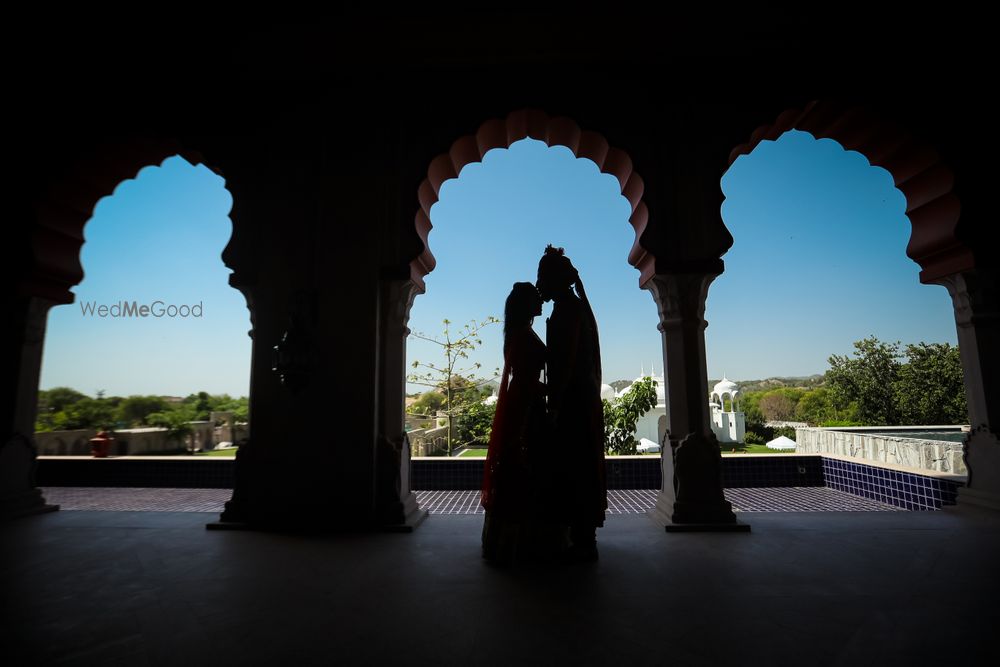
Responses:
[84,174]
[941,243]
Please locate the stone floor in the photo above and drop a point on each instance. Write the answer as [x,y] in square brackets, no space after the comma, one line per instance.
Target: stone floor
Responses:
[634,501]
[823,588]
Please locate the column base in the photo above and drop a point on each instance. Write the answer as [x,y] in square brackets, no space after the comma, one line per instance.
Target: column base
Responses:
[720,519]
[301,520]
[25,504]
[982,456]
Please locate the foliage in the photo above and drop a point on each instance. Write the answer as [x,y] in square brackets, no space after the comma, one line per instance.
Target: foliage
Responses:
[930,387]
[752,438]
[62,408]
[57,398]
[753,417]
[428,403]
[815,406]
[867,380]
[747,386]
[777,407]
[475,424]
[135,410]
[622,415]
[460,389]
[876,388]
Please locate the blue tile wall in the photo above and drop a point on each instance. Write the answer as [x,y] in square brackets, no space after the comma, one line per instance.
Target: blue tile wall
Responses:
[910,491]
[764,471]
[638,473]
[459,474]
[181,474]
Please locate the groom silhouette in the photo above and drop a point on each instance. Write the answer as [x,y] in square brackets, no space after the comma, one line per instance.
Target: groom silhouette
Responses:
[574,398]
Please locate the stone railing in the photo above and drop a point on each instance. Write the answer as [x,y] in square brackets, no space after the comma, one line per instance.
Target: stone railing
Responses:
[130,441]
[428,441]
[883,447]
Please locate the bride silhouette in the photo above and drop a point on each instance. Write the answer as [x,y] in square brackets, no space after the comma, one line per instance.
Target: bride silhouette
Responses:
[513,484]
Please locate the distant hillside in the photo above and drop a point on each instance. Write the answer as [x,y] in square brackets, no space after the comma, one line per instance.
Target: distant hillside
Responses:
[807,382]
[618,385]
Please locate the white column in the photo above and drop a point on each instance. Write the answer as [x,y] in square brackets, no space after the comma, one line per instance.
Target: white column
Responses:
[397,504]
[18,494]
[691,493]
[976,299]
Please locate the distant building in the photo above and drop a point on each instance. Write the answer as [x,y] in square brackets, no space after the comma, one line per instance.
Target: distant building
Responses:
[653,424]
[728,426]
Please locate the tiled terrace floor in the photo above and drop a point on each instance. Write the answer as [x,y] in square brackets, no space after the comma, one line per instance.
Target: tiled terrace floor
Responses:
[792,499]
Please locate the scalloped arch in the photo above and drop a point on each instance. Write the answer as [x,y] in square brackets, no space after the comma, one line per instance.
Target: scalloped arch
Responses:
[554,131]
[62,214]
[917,170]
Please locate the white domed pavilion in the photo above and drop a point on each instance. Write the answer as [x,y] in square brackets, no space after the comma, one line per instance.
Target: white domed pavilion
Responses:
[728,425]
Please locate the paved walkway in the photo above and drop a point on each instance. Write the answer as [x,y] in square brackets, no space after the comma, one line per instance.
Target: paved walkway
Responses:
[636,501]
[819,589]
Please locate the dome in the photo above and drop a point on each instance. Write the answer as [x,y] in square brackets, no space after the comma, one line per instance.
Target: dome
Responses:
[490,400]
[607,392]
[725,386]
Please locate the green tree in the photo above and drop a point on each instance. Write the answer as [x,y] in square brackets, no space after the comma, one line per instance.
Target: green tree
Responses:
[749,404]
[240,407]
[815,407]
[867,381]
[453,377]
[65,409]
[202,405]
[476,422]
[134,410]
[622,415]
[776,406]
[57,398]
[428,403]
[930,387]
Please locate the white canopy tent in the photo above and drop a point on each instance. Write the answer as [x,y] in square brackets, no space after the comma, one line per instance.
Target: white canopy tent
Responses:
[781,442]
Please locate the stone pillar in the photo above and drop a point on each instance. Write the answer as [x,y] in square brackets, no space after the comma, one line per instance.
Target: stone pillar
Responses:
[977,316]
[306,249]
[18,494]
[396,504]
[691,495]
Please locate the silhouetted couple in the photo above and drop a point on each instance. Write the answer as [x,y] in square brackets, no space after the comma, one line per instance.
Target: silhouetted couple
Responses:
[543,485]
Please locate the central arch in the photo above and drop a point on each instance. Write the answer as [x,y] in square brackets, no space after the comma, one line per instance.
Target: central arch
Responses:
[395,498]
[553,131]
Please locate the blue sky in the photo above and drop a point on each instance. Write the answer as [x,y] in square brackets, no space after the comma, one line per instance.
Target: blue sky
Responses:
[158,237]
[818,262]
